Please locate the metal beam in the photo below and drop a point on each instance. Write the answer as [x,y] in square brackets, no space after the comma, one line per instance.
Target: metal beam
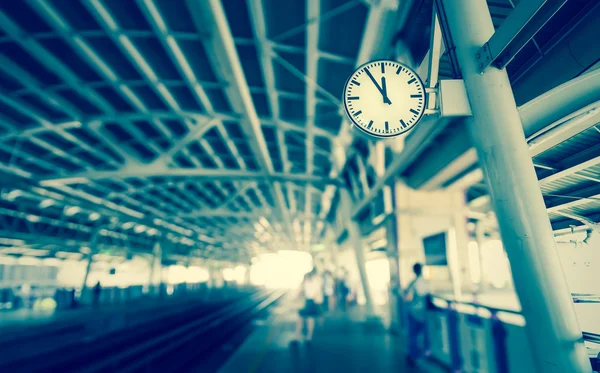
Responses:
[212,174]
[564,129]
[570,171]
[210,16]
[516,31]
[575,199]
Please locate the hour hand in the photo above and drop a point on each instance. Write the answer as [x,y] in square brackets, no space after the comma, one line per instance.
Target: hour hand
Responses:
[381,90]
[386,99]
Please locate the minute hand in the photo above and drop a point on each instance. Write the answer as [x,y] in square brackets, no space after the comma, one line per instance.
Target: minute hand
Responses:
[383,93]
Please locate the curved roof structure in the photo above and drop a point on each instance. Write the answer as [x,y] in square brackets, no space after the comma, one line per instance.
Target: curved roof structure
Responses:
[215,127]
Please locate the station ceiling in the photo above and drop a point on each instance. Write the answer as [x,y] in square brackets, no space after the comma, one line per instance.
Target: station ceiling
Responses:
[211,126]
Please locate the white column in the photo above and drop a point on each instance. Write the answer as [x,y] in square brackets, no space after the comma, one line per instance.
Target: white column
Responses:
[497,133]
[155,265]
[355,239]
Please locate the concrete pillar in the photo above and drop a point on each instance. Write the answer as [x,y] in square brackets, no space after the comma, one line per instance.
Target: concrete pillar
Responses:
[480,239]
[88,269]
[461,270]
[497,133]
[155,266]
[393,259]
[355,239]
[391,228]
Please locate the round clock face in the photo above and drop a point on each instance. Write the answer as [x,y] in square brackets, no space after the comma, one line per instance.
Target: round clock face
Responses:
[384,98]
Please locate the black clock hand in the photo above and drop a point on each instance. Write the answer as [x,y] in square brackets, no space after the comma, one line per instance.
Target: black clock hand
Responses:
[384,92]
[374,81]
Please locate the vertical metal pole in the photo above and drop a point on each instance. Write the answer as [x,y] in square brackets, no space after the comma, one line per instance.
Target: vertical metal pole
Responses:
[392,254]
[462,266]
[356,242]
[88,268]
[155,265]
[480,239]
[497,133]
[391,228]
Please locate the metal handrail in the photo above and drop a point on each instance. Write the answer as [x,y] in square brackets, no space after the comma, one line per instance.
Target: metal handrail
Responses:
[585,298]
[591,337]
[477,305]
[587,336]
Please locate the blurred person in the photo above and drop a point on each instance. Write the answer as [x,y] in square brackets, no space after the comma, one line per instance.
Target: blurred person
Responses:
[328,291]
[416,296]
[312,291]
[342,289]
[96,292]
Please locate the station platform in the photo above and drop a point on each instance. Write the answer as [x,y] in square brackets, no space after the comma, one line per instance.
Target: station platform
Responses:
[343,342]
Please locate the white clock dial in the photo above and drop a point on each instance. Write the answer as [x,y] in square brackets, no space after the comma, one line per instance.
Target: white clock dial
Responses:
[384,98]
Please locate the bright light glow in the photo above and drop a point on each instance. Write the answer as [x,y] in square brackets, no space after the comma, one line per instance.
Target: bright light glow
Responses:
[85,250]
[94,216]
[47,203]
[151,232]
[13,195]
[205,238]
[228,274]
[7,260]
[67,255]
[34,252]
[283,270]
[70,211]
[495,263]
[51,262]
[29,261]
[378,272]
[264,221]
[197,274]
[474,262]
[127,225]
[240,274]
[140,228]
[25,289]
[176,274]
[33,218]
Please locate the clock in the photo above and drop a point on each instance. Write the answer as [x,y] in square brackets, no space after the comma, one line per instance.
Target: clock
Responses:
[384,98]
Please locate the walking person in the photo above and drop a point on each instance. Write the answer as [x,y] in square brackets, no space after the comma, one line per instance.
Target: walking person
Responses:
[312,291]
[342,290]
[328,291]
[96,292]
[416,297]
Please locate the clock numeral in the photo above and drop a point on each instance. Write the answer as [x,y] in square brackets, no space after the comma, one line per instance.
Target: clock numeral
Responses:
[387,127]
[354,82]
[414,111]
[415,96]
[402,123]
[412,80]
[353,98]
[357,113]
[399,70]
[382,68]
[370,125]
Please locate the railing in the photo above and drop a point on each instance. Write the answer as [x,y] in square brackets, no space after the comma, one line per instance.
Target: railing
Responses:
[470,337]
[586,298]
